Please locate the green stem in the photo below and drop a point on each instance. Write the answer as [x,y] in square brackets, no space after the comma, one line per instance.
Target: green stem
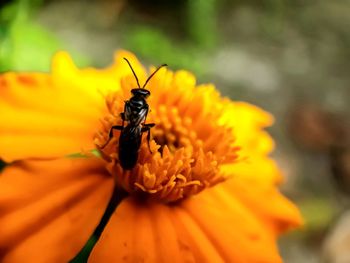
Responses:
[83,256]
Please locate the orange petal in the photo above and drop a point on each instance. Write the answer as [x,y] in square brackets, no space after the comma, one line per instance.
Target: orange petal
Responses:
[211,227]
[248,122]
[48,209]
[92,81]
[121,68]
[254,183]
[52,115]
[39,119]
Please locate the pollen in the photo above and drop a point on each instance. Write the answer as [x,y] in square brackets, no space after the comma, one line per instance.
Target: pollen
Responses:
[190,142]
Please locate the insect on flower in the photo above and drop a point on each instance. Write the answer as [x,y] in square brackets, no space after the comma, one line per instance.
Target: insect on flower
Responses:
[181,199]
[135,114]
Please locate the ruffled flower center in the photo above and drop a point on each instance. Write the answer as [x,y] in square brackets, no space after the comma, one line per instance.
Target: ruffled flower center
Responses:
[189,144]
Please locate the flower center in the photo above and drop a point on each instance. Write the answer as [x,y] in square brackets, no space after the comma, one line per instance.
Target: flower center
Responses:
[186,150]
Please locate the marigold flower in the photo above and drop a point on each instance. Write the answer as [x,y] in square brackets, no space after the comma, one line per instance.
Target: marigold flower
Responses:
[206,192]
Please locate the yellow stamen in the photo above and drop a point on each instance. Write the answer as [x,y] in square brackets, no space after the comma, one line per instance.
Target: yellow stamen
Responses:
[189,144]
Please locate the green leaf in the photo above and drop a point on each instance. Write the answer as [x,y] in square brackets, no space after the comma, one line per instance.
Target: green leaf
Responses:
[91,153]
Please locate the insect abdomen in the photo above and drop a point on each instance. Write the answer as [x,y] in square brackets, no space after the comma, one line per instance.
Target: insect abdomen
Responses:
[129,145]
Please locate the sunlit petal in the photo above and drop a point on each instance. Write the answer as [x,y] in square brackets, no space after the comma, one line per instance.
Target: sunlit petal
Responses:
[210,227]
[52,115]
[49,209]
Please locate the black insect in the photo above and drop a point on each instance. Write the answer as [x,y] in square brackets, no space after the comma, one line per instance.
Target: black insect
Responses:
[135,114]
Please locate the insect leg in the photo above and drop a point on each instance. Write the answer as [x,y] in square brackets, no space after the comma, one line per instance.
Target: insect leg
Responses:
[147,128]
[110,136]
[122,115]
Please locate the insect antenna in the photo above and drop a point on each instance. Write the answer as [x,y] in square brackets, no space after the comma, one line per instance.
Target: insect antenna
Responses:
[144,85]
[137,80]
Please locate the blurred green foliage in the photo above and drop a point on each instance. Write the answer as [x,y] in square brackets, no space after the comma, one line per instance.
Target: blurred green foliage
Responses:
[318,213]
[24,44]
[27,45]
[187,51]
[152,44]
[201,22]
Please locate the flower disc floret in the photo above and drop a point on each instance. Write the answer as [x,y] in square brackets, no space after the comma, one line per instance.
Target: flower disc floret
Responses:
[189,144]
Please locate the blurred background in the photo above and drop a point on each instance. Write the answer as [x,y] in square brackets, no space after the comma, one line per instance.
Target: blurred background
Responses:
[290,57]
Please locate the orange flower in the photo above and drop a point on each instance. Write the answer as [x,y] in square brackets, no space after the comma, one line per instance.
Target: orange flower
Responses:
[206,192]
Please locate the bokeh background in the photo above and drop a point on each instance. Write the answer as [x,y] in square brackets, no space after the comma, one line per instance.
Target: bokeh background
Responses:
[290,57]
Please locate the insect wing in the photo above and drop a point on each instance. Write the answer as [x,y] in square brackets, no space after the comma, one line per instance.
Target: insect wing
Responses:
[140,117]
